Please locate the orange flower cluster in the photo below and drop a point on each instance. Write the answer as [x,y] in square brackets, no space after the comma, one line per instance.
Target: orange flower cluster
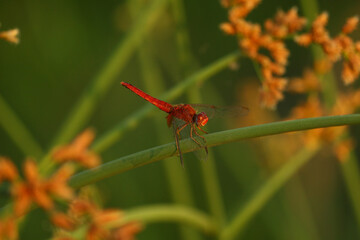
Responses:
[100,224]
[95,222]
[334,48]
[77,151]
[38,190]
[35,189]
[285,24]
[346,104]
[252,39]
[10,35]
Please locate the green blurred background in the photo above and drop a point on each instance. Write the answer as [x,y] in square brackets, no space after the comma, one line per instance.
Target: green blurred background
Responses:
[65,44]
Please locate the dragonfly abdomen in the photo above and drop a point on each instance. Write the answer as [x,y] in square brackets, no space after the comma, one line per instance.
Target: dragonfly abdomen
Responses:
[164,106]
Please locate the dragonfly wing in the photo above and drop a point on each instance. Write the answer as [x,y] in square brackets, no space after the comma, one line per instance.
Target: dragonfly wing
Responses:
[221,111]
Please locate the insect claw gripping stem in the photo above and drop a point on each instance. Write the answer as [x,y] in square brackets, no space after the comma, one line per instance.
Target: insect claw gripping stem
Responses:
[191,136]
[205,147]
[201,130]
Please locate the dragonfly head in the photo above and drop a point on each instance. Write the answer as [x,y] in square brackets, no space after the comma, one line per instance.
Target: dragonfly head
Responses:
[201,119]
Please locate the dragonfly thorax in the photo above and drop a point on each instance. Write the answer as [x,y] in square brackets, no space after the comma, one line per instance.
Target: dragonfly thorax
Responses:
[201,119]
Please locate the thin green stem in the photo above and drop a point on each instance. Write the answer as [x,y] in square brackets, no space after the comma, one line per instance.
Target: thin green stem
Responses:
[130,122]
[265,192]
[210,179]
[177,180]
[86,104]
[187,60]
[213,189]
[299,211]
[188,64]
[161,152]
[329,91]
[167,213]
[350,171]
[18,132]
[328,81]
[310,9]
[258,70]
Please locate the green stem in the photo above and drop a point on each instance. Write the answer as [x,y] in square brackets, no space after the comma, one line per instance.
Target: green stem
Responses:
[210,177]
[310,9]
[178,181]
[86,104]
[97,89]
[350,171]
[18,132]
[168,213]
[265,192]
[213,190]
[258,70]
[189,64]
[161,152]
[114,134]
[328,81]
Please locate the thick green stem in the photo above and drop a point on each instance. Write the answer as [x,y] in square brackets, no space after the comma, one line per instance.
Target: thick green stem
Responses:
[161,152]
[18,132]
[167,213]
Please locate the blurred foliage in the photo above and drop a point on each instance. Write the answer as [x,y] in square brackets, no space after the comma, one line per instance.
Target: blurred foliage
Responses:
[65,44]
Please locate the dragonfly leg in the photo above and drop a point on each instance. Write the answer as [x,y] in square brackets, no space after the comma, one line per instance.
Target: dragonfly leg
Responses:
[178,146]
[179,129]
[191,136]
[206,149]
[201,129]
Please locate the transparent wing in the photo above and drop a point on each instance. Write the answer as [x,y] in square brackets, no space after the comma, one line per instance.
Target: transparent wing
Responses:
[221,111]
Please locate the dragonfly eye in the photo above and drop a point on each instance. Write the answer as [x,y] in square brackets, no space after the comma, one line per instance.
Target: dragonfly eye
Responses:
[201,119]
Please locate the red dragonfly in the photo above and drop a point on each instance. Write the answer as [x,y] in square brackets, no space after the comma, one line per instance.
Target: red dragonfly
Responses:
[183,115]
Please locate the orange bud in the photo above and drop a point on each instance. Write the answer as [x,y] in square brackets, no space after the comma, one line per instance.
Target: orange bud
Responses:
[228,28]
[350,25]
[11,35]
[30,170]
[304,39]
[63,221]
[8,170]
